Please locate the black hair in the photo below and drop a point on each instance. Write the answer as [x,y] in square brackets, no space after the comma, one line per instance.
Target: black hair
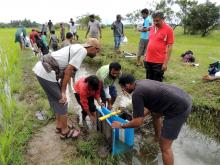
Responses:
[118,16]
[69,35]
[114,65]
[145,11]
[92,16]
[93,82]
[158,13]
[126,79]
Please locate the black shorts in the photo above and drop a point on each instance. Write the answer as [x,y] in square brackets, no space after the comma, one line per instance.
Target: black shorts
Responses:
[92,107]
[172,126]
[154,71]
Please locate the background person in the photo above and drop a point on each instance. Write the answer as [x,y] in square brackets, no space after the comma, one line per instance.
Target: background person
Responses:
[94,28]
[20,36]
[161,39]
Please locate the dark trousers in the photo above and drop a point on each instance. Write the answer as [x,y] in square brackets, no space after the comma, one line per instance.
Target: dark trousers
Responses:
[91,103]
[154,71]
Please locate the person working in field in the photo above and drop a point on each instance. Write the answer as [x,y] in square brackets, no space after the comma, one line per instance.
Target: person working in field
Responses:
[68,41]
[162,101]
[108,74]
[94,28]
[86,90]
[54,72]
[118,32]
[20,36]
[159,47]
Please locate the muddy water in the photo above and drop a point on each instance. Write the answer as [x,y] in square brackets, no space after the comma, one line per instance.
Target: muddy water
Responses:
[191,147]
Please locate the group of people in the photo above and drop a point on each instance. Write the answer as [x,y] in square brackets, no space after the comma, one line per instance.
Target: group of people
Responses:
[168,105]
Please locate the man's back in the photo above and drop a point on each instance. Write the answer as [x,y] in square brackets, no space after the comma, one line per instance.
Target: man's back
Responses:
[160,98]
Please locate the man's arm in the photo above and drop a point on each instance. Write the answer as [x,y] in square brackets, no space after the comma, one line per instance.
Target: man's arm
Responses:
[169,50]
[135,122]
[67,75]
[87,31]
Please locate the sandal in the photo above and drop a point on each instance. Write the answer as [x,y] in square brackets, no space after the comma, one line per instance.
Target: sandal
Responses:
[70,134]
[58,130]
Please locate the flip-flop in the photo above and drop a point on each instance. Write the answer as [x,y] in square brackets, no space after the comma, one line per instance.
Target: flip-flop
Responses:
[70,134]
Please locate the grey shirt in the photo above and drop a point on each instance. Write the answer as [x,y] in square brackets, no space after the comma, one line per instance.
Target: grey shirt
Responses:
[118,29]
[166,100]
[94,29]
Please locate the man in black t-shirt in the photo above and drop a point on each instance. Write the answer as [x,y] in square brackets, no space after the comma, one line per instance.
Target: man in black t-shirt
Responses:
[159,100]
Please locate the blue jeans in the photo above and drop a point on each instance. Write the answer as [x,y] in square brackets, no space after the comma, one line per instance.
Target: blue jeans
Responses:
[117,41]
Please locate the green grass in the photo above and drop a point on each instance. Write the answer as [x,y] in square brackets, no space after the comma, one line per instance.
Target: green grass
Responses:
[18,119]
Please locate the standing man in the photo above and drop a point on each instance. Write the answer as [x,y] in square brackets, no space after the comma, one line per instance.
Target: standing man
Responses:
[73,29]
[50,25]
[118,32]
[159,48]
[20,36]
[94,28]
[159,100]
[108,74]
[54,72]
[144,36]
[62,32]
[44,29]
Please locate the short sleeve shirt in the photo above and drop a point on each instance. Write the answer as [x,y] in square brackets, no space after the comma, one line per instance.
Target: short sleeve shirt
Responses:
[94,28]
[77,55]
[160,98]
[146,24]
[158,41]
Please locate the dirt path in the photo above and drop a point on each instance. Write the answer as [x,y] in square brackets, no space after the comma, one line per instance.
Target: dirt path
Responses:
[46,147]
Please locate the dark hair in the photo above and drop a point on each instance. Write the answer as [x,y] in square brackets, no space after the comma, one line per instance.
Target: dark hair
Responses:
[118,16]
[53,32]
[126,79]
[144,11]
[158,13]
[69,35]
[44,33]
[92,16]
[61,24]
[114,65]
[93,82]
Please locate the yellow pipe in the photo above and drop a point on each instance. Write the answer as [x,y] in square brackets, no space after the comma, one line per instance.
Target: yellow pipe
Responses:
[109,115]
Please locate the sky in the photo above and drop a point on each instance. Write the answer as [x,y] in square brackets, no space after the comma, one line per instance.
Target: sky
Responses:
[62,10]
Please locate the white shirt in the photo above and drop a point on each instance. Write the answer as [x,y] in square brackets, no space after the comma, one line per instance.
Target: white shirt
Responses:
[72,28]
[77,55]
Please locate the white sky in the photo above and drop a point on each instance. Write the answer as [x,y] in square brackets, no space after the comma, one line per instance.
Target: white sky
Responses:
[62,10]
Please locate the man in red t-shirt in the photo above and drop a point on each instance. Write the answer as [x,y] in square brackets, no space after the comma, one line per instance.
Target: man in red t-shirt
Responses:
[159,47]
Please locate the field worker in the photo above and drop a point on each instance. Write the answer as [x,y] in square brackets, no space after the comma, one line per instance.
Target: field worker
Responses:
[33,42]
[86,90]
[62,32]
[44,39]
[20,36]
[159,47]
[68,41]
[50,26]
[144,36]
[118,32]
[54,71]
[161,101]
[73,29]
[54,41]
[108,74]
[94,28]
[44,29]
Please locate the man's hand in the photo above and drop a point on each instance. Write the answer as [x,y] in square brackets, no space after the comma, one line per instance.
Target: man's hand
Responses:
[116,124]
[164,67]
[63,100]
[109,106]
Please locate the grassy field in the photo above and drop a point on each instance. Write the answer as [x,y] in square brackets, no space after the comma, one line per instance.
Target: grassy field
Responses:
[18,105]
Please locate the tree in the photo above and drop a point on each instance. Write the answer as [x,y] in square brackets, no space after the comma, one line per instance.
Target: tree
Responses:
[134,17]
[84,19]
[185,7]
[203,18]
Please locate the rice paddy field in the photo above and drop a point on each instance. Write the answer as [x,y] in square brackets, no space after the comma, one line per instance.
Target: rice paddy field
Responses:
[17,120]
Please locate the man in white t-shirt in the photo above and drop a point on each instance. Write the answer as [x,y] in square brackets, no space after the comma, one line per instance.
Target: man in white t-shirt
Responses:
[73,29]
[67,59]
[94,28]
